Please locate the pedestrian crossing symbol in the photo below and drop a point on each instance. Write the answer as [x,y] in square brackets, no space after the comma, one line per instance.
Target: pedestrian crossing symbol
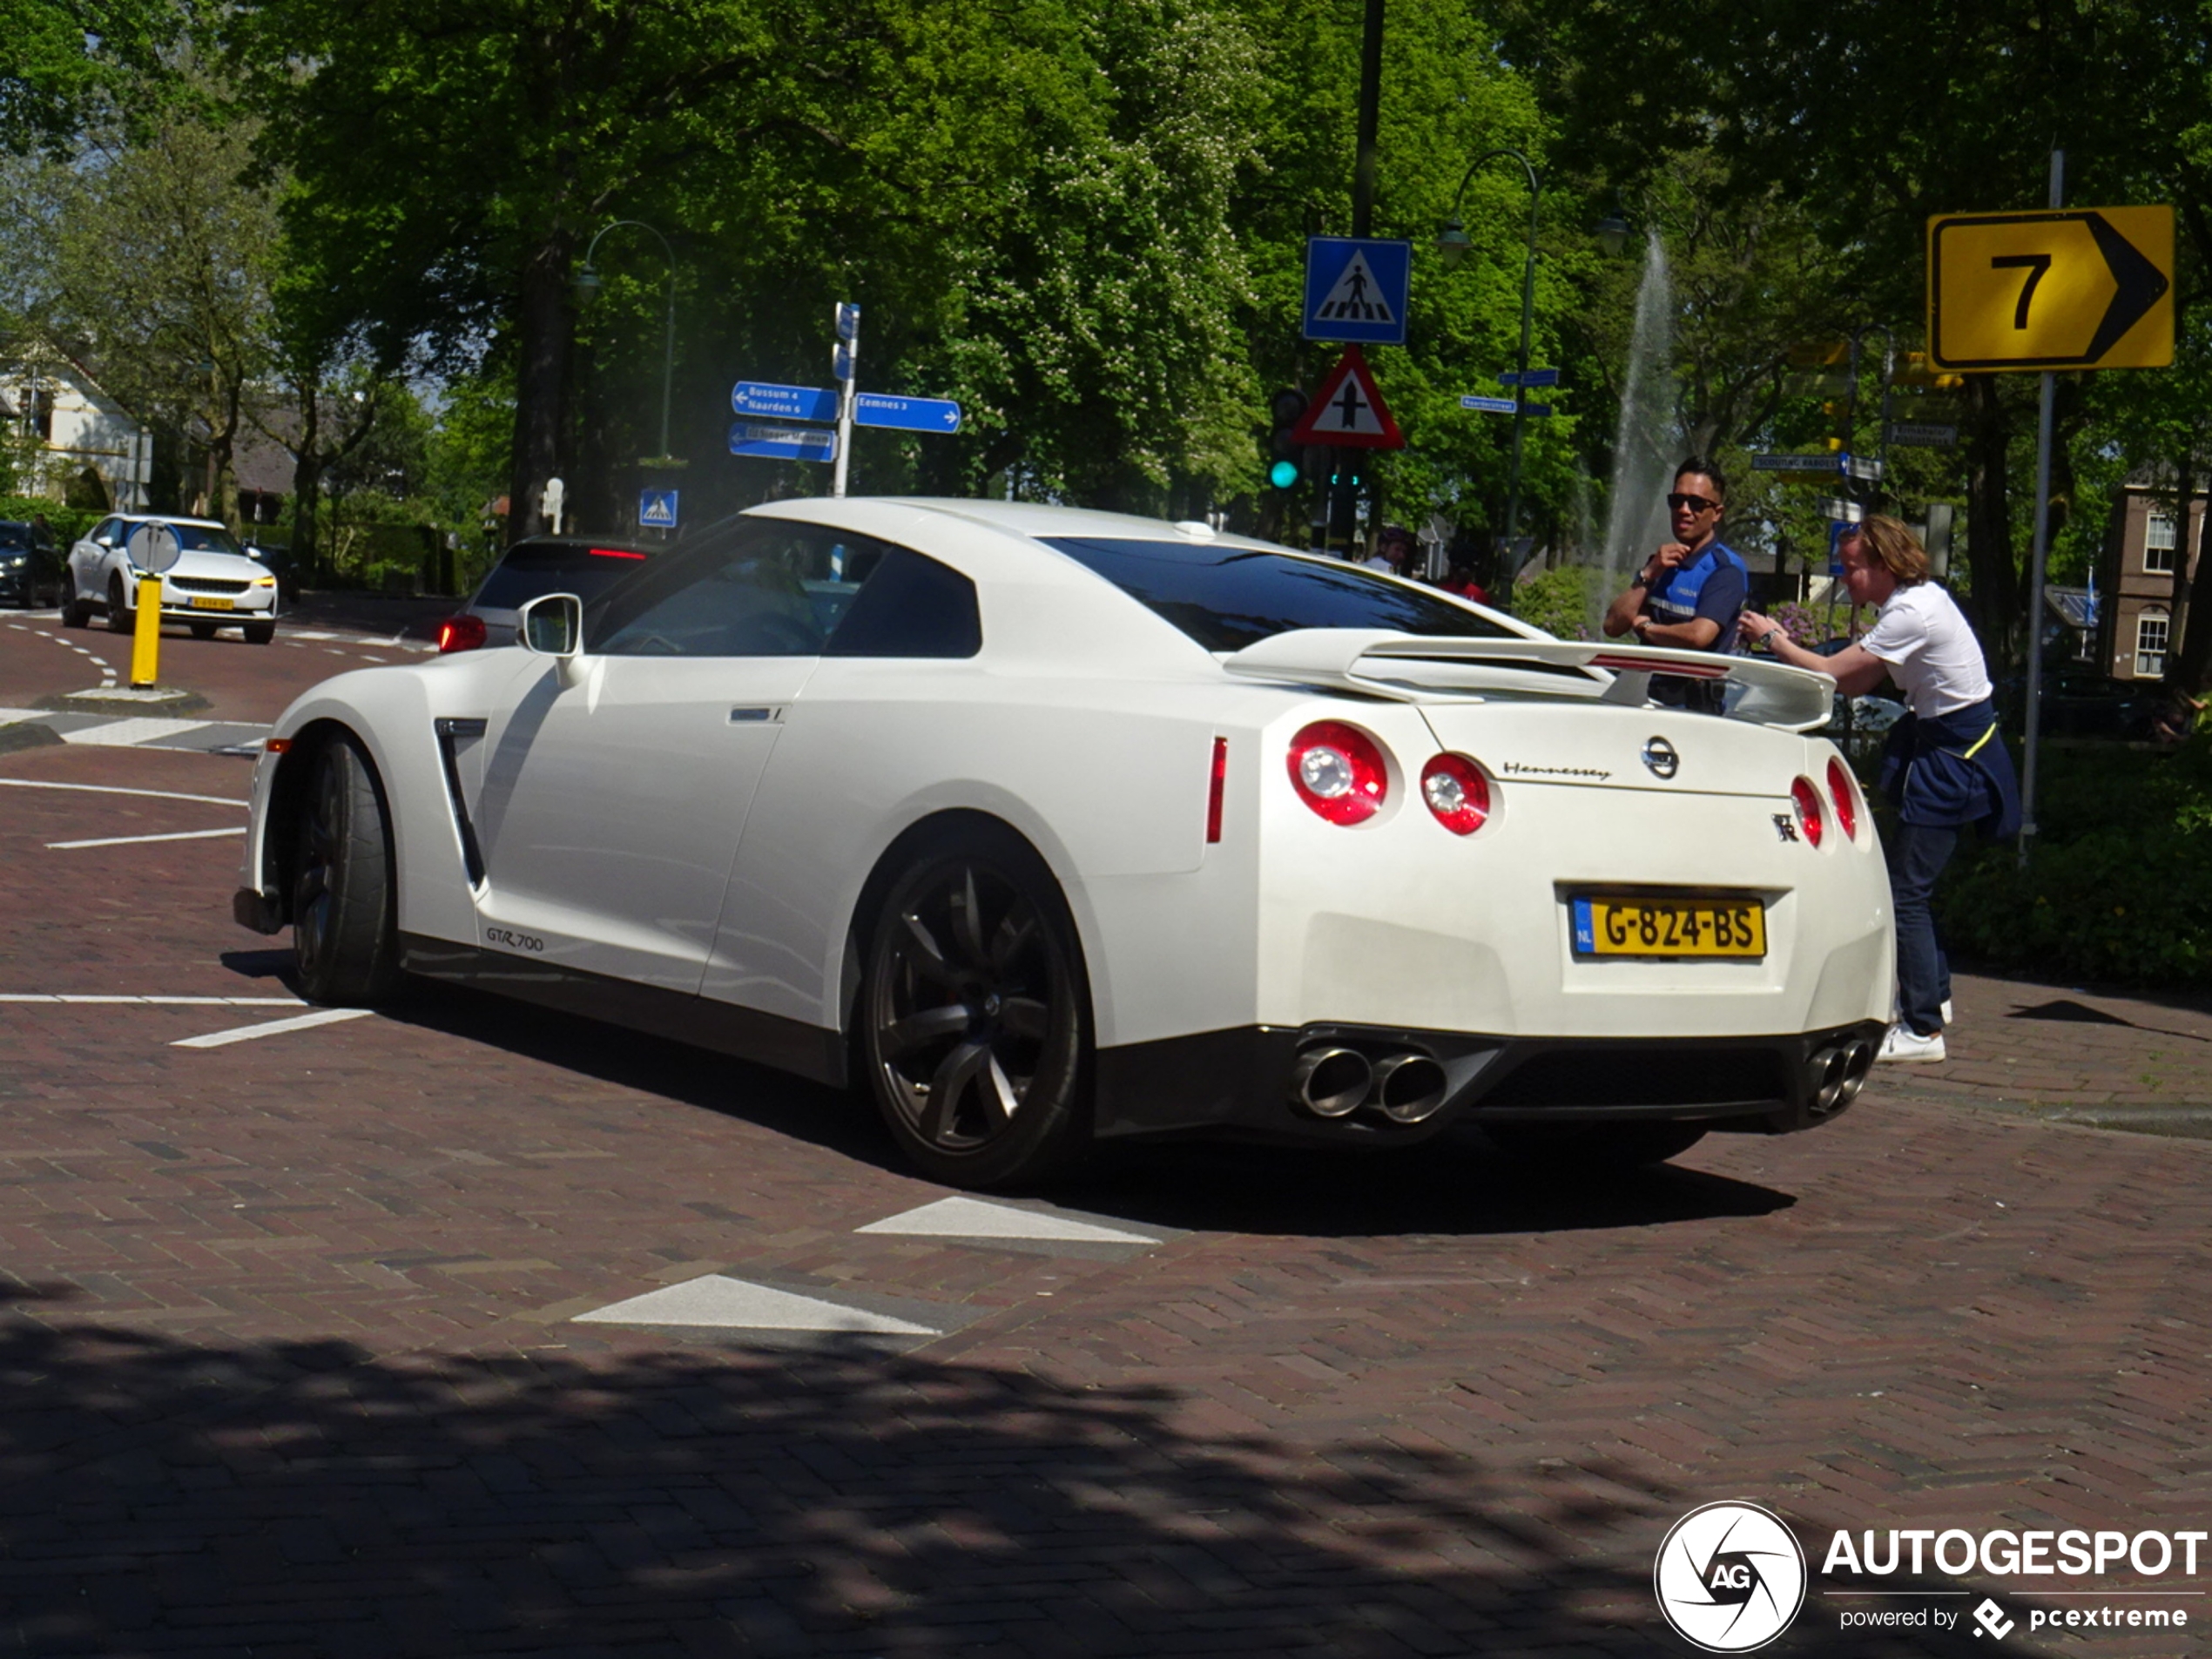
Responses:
[656,509]
[1349,410]
[1355,289]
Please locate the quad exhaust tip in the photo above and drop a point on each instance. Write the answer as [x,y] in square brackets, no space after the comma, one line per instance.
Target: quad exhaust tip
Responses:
[1333,1082]
[1835,1075]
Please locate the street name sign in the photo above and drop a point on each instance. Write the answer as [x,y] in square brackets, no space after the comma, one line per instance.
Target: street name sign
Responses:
[1533,377]
[1489,405]
[1348,410]
[775,403]
[2089,287]
[657,508]
[906,413]
[1356,289]
[1827,465]
[1928,435]
[782,442]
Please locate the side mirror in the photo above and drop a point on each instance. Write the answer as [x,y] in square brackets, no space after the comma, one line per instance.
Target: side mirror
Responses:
[552,625]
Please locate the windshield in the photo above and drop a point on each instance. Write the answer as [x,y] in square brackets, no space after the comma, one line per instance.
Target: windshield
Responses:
[529,571]
[14,535]
[1229,597]
[203,538]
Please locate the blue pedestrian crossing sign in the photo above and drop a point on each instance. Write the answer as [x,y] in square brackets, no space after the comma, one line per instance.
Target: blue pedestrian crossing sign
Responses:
[656,509]
[1356,289]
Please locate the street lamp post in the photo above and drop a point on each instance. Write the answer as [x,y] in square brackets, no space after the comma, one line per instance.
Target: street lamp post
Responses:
[588,283]
[1452,242]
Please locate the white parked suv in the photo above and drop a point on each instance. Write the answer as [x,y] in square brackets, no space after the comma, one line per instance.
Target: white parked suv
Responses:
[214,584]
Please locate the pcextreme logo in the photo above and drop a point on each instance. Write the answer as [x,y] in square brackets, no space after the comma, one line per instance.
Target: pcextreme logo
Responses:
[1730,1577]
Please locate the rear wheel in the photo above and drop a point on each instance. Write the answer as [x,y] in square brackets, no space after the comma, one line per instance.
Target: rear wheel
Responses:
[202,630]
[1598,1146]
[75,611]
[119,621]
[345,930]
[257,633]
[975,1015]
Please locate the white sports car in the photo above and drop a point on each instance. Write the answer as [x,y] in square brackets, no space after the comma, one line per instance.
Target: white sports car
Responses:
[1049,826]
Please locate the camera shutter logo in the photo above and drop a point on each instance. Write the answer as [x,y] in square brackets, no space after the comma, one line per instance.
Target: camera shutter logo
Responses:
[1730,1577]
[1991,1618]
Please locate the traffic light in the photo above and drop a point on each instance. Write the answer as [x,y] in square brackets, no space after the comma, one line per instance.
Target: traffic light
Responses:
[1348,470]
[1287,408]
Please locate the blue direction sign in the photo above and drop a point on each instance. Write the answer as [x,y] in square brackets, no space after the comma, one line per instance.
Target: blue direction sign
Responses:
[783,402]
[906,413]
[657,508]
[782,442]
[1356,289]
[1489,405]
[1533,377]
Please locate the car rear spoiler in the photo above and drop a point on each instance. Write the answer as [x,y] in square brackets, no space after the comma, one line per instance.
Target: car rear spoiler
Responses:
[1416,668]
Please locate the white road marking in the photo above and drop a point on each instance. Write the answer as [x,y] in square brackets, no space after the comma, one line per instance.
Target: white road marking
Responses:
[155,1001]
[113,789]
[736,1303]
[334,650]
[973,1219]
[272,1029]
[123,734]
[136,840]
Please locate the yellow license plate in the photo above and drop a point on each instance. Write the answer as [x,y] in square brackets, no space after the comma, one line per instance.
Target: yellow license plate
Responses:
[1730,929]
[201,601]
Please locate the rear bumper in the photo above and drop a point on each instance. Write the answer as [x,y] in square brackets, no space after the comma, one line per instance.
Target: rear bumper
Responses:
[1241,1081]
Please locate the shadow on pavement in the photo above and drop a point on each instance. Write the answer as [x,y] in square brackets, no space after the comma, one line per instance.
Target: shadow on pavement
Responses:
[310,1498]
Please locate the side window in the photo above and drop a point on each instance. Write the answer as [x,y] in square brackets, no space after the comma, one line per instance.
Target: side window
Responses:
[104,532]
[768,587]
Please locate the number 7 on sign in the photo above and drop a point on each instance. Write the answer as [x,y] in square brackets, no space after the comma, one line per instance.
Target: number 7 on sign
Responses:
[2035,265]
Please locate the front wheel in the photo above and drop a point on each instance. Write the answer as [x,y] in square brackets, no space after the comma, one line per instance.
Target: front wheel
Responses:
[119,621]
[260,633]
[345,931]
[975,1016]
[1598,1148]
[201,630]
[75,611]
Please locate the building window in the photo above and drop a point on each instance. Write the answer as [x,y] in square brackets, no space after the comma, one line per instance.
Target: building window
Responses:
[2150,645]
[2158,544]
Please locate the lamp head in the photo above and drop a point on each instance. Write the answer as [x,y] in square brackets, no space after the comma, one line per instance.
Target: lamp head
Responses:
[1613,234]
[586,280]
[1452,242]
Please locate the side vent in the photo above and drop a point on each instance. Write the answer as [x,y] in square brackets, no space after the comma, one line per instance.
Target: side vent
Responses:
[449,735]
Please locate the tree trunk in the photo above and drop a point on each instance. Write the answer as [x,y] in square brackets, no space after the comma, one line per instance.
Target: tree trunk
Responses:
[542,346]
[307,485]
[1994,602]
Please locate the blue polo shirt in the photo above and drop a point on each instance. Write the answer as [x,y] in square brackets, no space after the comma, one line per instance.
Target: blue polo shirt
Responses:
[1714,585]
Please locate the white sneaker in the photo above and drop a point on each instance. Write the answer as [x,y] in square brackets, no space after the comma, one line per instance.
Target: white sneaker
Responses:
[1904,1044]
[1946,1010]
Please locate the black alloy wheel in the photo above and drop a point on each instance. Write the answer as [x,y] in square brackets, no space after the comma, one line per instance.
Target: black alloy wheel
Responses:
[345,934]
[974,1016]
[119,621]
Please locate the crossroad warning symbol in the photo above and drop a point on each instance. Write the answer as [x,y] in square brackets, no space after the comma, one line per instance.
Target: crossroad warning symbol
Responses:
[1356,289]
[1349,410]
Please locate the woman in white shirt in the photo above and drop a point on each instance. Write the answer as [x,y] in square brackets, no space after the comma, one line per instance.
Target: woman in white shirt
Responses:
[1945,767]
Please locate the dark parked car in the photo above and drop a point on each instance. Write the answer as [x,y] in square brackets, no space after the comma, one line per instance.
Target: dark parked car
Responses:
[30,567]
[583,565]
[281,565]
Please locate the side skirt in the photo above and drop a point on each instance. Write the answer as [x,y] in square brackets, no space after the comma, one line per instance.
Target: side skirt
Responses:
[810,1051]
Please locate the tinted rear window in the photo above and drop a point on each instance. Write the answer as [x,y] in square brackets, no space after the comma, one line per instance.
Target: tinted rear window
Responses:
[526,572]
[1229,597]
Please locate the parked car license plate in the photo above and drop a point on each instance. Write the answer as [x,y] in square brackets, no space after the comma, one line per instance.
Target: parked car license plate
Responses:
[201,601]
[1733,929]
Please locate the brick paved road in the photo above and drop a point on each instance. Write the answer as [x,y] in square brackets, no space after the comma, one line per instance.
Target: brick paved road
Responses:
[290,1364]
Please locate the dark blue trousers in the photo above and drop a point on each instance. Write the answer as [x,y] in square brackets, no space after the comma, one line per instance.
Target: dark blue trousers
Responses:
[1917,853]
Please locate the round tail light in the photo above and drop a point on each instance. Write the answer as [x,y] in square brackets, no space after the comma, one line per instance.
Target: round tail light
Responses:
[1809,814]
[1456,792]
[1338,771]
[1845,790]
[463,632]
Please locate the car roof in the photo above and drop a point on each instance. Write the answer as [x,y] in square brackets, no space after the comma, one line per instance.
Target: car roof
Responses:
[170,518]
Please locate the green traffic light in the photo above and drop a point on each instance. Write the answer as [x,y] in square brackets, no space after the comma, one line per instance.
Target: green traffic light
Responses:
[1282,474]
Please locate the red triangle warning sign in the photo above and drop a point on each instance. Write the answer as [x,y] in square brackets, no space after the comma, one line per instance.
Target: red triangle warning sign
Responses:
[1349,410]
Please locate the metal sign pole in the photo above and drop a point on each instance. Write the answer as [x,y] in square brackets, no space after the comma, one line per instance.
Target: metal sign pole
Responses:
[848,331]
[2035,567]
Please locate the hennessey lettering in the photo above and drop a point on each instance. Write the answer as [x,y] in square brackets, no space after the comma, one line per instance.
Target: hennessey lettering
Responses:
[1520,770]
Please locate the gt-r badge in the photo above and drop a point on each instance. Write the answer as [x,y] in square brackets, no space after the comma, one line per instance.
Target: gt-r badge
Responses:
[1660,756]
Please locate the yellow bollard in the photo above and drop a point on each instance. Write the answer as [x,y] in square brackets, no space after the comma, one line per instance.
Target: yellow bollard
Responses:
[145,639]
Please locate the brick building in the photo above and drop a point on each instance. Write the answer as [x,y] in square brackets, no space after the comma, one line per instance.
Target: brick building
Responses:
[2137,626]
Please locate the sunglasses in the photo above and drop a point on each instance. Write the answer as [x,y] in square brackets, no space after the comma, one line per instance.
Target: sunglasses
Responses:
[1694,503]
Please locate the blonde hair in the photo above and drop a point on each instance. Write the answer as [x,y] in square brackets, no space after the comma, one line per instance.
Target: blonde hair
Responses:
[1893,543]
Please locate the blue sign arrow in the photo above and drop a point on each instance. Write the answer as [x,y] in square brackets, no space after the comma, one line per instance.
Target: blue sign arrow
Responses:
[657,508]
[1356,289]
[906,413]
[782,442]
[1533,377]
[783,402]
[1489,405]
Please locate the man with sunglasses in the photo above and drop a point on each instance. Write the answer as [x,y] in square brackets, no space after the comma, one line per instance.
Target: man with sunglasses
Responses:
[1689,593]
